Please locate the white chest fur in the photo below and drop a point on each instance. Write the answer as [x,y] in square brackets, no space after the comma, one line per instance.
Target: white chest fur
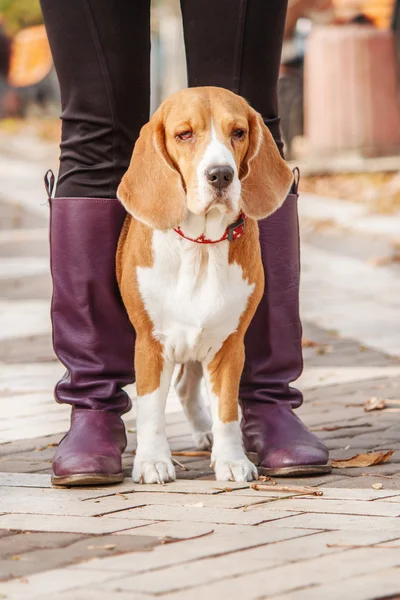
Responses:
[192,295]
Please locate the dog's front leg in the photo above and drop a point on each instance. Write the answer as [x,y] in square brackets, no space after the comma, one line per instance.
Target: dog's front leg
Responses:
[153,462]
[222,376]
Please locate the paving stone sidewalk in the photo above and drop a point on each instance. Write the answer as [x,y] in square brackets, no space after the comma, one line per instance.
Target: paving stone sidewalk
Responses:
[198,538]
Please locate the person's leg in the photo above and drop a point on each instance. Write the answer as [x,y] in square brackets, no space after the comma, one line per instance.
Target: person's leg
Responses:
[101,53]
[237,44]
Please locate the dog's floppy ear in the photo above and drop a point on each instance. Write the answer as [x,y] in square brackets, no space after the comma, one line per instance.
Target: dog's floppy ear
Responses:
[266,178]
[151,190]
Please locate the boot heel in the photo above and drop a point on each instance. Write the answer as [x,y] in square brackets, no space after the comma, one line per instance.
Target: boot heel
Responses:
[290,471]
[86,479]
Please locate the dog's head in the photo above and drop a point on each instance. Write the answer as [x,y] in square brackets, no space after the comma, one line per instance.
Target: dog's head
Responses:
[204,148]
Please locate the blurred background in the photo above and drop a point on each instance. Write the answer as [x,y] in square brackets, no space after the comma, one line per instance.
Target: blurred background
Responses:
[338,93]
[340,58]
[338,89]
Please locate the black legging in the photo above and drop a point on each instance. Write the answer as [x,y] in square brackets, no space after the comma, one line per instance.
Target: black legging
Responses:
[101,51]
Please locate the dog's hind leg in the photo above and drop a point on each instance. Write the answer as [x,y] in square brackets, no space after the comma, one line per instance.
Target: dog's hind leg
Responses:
[187,386]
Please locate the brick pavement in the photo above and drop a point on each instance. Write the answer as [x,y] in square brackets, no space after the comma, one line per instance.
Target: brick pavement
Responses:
[197,537]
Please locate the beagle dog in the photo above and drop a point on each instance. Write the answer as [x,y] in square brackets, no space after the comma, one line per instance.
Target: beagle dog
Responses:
[203,170]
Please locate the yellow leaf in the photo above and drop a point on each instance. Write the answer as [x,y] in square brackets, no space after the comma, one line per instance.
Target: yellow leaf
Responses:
[306,343]
[363,460]
[374,403]
[377,486]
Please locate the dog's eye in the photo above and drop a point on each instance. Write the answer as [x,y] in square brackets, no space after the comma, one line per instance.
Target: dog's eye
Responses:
[238,134]
[185,135]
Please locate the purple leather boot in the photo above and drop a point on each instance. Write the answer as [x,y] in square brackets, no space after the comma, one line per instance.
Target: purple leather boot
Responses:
[272,433]
[92,337]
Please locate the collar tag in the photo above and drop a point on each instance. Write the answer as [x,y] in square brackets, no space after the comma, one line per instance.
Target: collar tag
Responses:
[237,229]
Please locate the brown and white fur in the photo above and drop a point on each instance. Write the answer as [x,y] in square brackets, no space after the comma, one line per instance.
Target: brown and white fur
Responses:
[190,303]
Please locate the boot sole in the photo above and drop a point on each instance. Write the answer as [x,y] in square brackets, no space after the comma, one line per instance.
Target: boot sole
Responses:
[298,470]
[86,479]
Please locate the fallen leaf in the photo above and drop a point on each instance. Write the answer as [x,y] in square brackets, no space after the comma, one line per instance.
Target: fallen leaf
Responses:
[363,460]
[320,348]
[41,448]
[265,478]
[121,496]
[374,403]
[309,343]
[324,349]
[377,486]
[15,557]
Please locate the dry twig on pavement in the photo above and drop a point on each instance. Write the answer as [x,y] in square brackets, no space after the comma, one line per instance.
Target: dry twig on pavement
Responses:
[309,491]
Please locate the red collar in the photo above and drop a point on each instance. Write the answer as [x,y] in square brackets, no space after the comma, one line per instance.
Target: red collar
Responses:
[232,232]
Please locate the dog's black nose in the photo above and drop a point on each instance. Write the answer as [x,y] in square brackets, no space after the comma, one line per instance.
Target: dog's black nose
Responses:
[219,177]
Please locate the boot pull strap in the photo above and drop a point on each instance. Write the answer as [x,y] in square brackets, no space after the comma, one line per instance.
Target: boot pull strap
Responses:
[49,183]
[296,180]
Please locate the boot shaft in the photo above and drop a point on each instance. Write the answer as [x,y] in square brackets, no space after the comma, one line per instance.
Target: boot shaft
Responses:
[92,335]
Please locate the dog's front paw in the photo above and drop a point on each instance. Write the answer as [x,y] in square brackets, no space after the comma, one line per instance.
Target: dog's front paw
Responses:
[235,470]
[153,471]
